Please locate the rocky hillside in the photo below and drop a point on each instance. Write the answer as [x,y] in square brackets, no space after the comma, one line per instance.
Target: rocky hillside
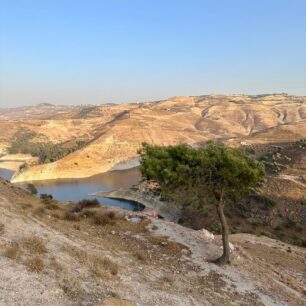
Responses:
[81,254]
[114,133]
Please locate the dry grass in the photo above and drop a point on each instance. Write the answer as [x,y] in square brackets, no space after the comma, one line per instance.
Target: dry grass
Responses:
[57,215]
[168,279]
[167,246]
[77,227]
[55,264]
[71,286]
[78,207]
[71,216]
[104,218]
[35,264]
[12,251]
[34,244]
[50,204]
[101,266]
[26,206]
[140,255]
[39,211]
[1,228]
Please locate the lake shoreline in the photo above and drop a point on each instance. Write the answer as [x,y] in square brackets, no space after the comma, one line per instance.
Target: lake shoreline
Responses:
[165,209]
[49,171]
[10,165]
[78,189]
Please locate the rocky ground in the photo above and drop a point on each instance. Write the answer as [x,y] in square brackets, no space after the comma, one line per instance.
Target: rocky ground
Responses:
[65,254]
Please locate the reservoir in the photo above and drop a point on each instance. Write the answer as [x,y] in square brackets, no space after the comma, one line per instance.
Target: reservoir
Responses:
[78,189]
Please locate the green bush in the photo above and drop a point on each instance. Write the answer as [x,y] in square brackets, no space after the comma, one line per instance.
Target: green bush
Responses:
[47,152]
[45,196]
[32,189]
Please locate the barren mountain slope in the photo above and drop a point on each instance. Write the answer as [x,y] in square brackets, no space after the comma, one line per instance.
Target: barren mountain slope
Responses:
[53,256]
[115,138]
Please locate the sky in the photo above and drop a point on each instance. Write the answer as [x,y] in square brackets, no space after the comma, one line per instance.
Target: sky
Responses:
[98,51]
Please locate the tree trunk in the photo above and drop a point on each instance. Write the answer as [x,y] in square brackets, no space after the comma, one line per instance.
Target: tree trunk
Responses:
[225,258]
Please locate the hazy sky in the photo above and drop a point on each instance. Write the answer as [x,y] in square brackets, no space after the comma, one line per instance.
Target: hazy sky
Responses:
[92,51]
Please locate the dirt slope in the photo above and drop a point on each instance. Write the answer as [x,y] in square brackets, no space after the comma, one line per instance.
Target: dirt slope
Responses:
[51,257]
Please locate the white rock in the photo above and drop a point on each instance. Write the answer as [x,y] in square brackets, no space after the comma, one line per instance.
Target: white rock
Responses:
[207,234]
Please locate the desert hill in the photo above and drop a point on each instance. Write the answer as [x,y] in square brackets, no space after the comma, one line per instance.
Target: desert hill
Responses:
[62,254]
[114,133]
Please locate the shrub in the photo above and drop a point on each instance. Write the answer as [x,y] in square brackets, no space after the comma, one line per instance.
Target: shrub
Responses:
[45,151]
[104,218]
[101,265]
[71,286]
[39,211]
[12,251]
[71,216]
[289,223]
[140,256]
[35,264]
[32,189]
[1,228]
[267,201]
[34,244]
[85,204]
[45,196]
[50,205]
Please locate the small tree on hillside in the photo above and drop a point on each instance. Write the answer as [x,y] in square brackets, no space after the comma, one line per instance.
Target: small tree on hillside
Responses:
[32,189]
[225,174]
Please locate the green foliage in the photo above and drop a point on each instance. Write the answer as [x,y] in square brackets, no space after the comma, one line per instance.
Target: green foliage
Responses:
[32,189]
[45,196]
[267,201]
[47,152]
[213,168]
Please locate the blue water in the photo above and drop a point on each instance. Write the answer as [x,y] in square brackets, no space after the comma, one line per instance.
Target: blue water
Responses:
[78,189]
[6,174]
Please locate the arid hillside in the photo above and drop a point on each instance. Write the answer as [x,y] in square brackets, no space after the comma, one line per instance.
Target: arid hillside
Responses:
[85,254]
[113,133]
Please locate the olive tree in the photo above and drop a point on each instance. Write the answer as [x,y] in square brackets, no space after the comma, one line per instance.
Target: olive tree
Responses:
[225,174]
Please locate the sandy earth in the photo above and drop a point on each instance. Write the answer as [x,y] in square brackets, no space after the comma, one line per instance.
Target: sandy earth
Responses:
[168,271]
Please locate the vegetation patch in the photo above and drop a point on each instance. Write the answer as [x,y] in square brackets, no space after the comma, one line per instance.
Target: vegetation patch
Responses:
[1,228]
[85,204]
[12,251]
[71,286]
[140,255]
[46,152]
[35,264]
[32,189]
[34,244]
[99,265]
[104,218]
[71,216]
[225,174]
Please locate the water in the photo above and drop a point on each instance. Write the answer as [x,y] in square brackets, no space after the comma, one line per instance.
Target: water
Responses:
[6,174]
[78,189]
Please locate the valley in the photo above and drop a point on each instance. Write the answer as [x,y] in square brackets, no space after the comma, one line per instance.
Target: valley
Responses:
[112,134]
[167,261]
